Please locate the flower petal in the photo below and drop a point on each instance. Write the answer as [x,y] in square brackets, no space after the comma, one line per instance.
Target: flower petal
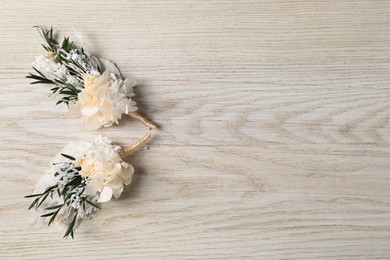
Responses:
[110,66]
[117,192]
[103,79]
[89,110]
[127,174]
[115,183]
[92,188]
[128,85]
[91,123]
[105,195]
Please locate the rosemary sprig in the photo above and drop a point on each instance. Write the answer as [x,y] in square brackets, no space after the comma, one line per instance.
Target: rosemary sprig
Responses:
[68,91]
[40,78]
[41,197]
[52,43]
[47,35]
[73,187]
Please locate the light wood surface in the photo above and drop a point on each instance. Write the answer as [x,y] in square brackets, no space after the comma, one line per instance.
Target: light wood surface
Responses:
[274,129]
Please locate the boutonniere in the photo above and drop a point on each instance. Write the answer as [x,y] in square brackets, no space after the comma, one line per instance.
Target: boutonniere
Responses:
[82,176]
[91,86]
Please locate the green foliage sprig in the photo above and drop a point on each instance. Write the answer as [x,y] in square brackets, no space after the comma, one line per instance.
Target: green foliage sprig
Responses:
[74,186]
[60,52]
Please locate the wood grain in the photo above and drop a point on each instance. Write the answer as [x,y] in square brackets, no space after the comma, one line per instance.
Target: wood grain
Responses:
[274,129]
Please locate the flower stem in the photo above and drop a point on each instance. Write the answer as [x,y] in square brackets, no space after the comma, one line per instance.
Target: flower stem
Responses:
[142,119]
[126,152]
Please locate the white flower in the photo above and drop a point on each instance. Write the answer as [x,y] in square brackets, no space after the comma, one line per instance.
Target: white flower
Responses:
[82,62]
[101,165]
[53,70]
[104,169]
[104,99]
[48,67]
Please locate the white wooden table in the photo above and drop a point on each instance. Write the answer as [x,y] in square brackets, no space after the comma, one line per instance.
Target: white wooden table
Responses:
[274,137]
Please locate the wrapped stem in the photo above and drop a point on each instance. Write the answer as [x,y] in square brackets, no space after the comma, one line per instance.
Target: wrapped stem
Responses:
[126,152]
[142,119]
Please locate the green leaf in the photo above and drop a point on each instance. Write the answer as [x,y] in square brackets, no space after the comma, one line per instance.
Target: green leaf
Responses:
[50,188]
[33,195]
[43,199]
[41,82]
[68,157]
[53,217]
[33,203]
[66,44]
[71,226]
[93,204]
[67,92]
[48,214]
[55,207]
[43,76]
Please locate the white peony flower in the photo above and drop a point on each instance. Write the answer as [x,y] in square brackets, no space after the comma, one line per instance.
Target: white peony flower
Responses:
[104,99]
[104,169]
